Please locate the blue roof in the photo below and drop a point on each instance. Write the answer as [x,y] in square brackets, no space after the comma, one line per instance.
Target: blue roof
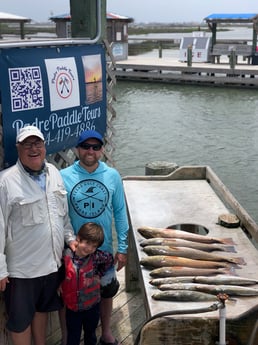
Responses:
[231,16]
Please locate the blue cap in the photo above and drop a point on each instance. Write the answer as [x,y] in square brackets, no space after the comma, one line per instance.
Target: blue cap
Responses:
[85,135]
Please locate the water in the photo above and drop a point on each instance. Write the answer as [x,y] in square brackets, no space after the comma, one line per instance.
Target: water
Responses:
[241,33]
[190,125]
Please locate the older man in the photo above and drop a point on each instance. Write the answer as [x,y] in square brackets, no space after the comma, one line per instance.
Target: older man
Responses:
[34,225]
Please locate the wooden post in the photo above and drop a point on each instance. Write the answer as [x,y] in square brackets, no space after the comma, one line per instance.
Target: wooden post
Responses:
[189,55]
[160,49]
[232,58]
[22,32]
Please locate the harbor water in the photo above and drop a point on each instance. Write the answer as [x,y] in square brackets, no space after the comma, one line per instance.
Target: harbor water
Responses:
[190,125]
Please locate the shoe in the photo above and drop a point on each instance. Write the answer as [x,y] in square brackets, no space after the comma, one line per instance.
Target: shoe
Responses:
[102,342]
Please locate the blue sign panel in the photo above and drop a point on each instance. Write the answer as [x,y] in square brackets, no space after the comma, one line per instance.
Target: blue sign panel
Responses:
[61,90]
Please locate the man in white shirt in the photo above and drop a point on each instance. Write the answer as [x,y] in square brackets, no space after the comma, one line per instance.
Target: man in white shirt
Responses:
[34,225]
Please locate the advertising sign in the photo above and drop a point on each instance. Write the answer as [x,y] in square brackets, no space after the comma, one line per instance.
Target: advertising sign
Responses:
[61,90]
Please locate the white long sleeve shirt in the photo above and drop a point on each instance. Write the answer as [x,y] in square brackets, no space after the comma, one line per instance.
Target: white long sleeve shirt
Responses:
[34,224]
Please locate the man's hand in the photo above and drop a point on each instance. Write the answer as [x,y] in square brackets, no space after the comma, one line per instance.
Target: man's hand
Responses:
[73,245]
[120,259]
[3,283]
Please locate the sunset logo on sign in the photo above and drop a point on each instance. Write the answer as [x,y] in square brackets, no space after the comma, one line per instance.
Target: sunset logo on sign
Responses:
[63,83]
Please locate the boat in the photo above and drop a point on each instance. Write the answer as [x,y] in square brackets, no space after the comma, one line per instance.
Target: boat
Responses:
[191,199]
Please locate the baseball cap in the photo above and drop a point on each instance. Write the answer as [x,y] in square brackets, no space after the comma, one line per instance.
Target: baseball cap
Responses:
[28,131]
[90,134]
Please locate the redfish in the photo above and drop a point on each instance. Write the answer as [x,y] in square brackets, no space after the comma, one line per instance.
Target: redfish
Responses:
[178,242]
[177,271]
[166,261]
[191,253]
[184,296]
[149,232]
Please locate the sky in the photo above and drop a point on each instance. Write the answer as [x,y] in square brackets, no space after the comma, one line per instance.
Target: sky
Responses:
[142,11]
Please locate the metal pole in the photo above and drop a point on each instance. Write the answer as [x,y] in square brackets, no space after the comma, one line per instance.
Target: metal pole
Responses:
[222,326]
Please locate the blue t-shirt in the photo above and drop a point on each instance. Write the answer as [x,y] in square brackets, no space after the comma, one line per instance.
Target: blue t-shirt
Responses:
[97,197]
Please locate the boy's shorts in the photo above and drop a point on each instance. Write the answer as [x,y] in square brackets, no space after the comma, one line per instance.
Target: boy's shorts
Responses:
[25,297]
[109,284]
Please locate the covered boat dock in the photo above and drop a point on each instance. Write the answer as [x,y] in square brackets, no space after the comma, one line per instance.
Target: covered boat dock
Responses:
[217,49]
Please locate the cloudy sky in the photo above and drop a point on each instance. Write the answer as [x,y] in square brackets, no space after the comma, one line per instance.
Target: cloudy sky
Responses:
[141,10]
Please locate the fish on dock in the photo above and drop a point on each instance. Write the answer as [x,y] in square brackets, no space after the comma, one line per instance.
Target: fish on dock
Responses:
[166,261]
[231,290]
[178,242]
[184,296]
[219,279]
[225,279]
[192,253]
[177,271]
[149,232]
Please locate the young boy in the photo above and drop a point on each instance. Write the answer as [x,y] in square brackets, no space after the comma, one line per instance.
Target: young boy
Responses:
[81,286]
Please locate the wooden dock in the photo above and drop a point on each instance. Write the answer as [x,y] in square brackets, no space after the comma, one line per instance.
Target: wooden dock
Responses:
[170,70]
[128,313]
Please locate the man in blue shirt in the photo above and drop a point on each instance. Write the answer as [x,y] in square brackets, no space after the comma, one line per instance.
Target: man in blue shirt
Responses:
[95,193]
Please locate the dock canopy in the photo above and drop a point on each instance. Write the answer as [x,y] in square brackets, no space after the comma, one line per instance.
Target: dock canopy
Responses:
[232,18]
[12,18]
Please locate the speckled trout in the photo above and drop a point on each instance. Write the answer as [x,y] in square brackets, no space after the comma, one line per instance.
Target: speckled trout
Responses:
[166,261]
[177,271]
[184,296]
[192,254]
[178,242]
[231,290]
[149,232]
[217,280]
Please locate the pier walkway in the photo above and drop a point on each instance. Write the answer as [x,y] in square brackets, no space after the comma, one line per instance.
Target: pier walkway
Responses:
[171,70]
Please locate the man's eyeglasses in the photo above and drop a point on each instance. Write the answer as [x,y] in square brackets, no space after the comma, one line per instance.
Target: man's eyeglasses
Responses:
[29,144]
[95,147]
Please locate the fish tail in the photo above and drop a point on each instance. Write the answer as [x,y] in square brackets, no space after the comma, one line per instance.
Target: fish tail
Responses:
[228,241]
[240,261]
[232,271]
[228,271]
[229,249]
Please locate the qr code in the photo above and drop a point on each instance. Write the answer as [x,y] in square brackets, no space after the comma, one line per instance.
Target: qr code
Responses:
[26,89]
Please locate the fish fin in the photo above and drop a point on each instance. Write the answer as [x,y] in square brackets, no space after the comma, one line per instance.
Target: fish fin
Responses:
[227,241]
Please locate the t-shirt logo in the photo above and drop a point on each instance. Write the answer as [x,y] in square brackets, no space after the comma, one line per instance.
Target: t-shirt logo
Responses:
[89,198]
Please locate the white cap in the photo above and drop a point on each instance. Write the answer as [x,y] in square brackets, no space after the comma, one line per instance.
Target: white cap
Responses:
[29,131]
